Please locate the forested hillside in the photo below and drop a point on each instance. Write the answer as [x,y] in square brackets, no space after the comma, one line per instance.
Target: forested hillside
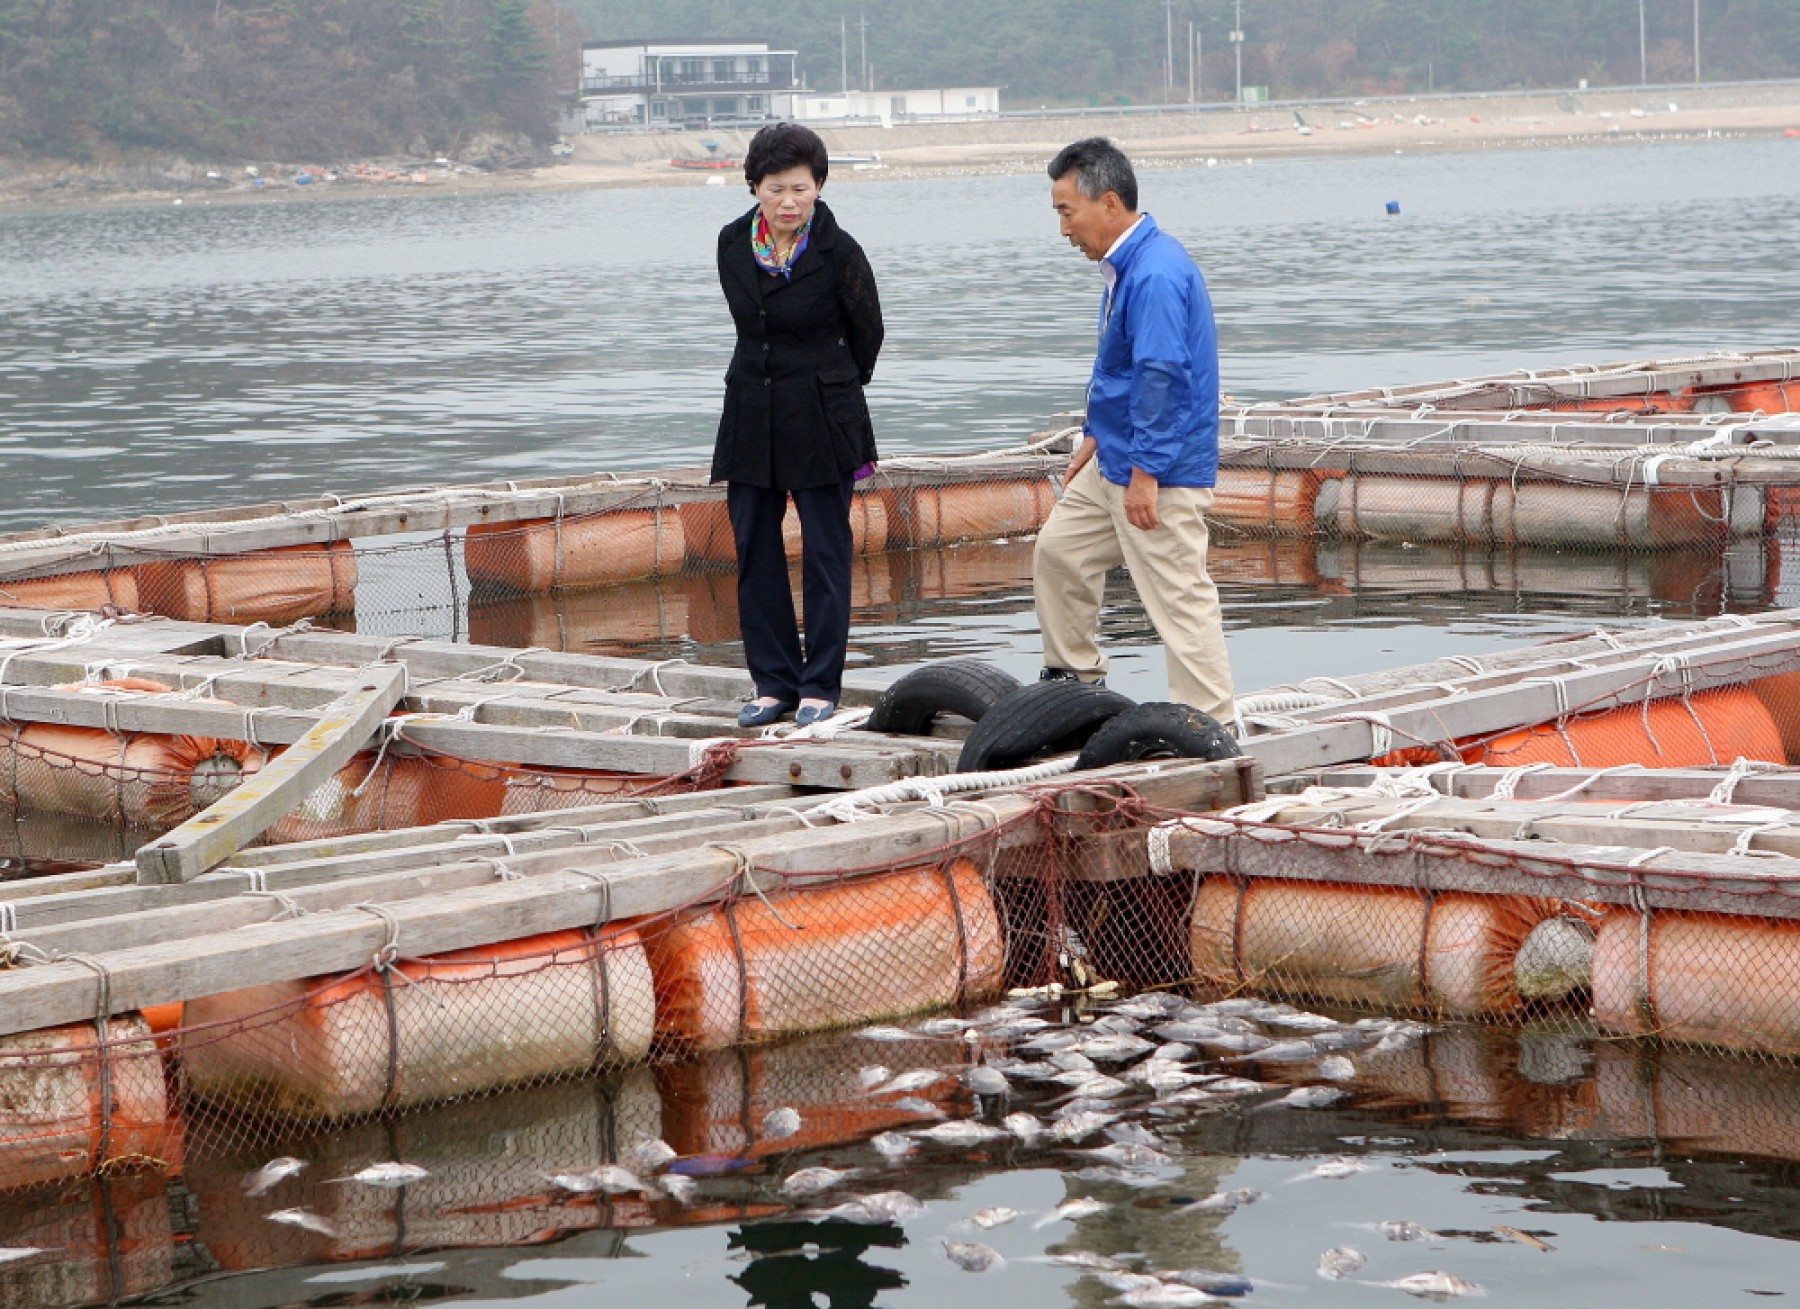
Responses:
[283,79]
[1088,51]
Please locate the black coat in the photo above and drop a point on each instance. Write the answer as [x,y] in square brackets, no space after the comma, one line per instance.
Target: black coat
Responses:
[795,415]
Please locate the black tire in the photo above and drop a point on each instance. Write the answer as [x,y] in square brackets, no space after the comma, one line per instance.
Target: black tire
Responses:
[1040,718]
[1158,730]
[956,686]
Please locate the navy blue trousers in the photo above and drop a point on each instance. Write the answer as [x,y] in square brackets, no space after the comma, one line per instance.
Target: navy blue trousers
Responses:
[779,663]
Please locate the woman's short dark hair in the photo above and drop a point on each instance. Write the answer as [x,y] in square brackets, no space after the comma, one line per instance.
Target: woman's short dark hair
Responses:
[781,146]
[1099,166]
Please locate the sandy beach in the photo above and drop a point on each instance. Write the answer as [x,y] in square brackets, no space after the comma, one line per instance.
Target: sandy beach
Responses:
[1169,137]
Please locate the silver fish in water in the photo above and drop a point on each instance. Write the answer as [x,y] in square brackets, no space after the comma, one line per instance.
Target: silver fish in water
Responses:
[1282,1052]
[300,1218]
[867,1079]
[959,1133]
[1023,1126]
[1434,1285]
[272,1174]
[1333,1170]
[1336,1068]
[995,1216]
[1130,1156]
[1309,1097]
[1050,1042]
[892,1145]
[1095,1086]
[12,1254]
[1117,1048]
[681,1189]
[987,1081]
[651,1155]
[1238,1042]
[1228,1201]
[1164,1295]
[1085,1259]
[914,1079]
[881,1207]
[912,1104]
[1080,1126]
[1070,1210]
[1174,1052]
[1301,1021]
[778,1124]
[1133,1134]
[943,1027]
[609,1178]
[1339,1262]
[387,1174]
[972,1257]
[1189,1033]
[886,1033]
[815,1181]
[1073,1061]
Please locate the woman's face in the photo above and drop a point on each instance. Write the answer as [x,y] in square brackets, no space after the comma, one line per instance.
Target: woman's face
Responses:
[787,198]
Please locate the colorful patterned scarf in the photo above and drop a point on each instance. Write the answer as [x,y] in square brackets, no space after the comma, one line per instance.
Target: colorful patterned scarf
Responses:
[762,245]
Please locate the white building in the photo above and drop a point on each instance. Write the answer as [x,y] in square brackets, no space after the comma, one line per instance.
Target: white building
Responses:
[889,106]
[651,83]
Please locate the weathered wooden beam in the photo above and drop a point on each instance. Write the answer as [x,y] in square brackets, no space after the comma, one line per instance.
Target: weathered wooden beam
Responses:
[280,786]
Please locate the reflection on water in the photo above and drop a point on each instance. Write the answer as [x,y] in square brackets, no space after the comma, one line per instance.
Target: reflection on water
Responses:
[1544,1130]
[164,359]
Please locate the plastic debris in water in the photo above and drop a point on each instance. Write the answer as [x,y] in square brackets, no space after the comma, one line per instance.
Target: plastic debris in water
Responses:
[959,1133]
[867,1079]
[972,1257]
[995,1216]
[892,1145]
[1523,1238]
[778,1124]
[1070,1210]
[302,1219]
[387,1174]
[1434,1285]
[814,1181]
[709,1165]
[1339,1262]
[1403,1231]
[272,1174]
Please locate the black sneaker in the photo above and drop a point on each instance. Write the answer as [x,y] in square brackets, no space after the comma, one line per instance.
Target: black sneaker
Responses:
[1064,675]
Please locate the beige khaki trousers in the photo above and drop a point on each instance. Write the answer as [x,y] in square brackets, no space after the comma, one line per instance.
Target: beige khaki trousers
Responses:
[1087,534]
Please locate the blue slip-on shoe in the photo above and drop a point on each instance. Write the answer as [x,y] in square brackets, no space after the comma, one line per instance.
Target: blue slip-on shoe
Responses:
[761,715]
[810,714]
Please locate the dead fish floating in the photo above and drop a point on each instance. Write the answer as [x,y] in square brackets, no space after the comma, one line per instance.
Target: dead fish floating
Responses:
[994,1216]
[272,1174]
[1404,1231]
[1070,1210]
[893,1146]
[388,1174]
[779,1124]
[882,1207]
[960,1133]
[610,1178]
[1340,1262]
[816,1181]
[973,1257]
[1434,1285]
[301,1218]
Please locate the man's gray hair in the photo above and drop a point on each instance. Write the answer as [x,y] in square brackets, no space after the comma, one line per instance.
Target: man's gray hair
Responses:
[1099,166]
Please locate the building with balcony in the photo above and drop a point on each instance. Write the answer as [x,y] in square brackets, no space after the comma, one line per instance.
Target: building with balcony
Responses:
[677,83]
[889,106]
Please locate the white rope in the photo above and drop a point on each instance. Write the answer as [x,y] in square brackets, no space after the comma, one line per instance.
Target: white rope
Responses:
[1640,860]
[1739,770]
[1742,844]
[1508,781]
[1406,810]
[853,806]
[697,749]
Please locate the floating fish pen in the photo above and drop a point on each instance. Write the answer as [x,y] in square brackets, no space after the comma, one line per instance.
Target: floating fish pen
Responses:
[366,877]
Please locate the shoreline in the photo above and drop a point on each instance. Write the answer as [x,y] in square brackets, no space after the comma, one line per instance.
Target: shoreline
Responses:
[1166,139]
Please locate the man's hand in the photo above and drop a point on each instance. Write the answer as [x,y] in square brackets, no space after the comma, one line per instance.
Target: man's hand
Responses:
[1084,451]
[1140,501]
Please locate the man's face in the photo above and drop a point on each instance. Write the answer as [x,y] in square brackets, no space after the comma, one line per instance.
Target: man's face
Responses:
[1086,224]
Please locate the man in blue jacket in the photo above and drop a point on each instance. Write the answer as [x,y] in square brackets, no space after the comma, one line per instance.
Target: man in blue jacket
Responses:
[1138,487]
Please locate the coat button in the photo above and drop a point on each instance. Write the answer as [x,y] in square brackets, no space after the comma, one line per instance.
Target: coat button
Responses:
[840,340]
[767,382]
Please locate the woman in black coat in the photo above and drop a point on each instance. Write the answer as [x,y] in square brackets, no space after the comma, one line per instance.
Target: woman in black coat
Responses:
[795,425]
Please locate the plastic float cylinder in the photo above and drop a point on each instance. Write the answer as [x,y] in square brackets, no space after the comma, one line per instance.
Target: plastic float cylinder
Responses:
[715,1105]
[706,526]
[264,586]
[544,789]
[1709,727]
[1495,511]
[488,1163]
[72,1105]
[450,1025]
[403,791]
[117,586]
[558,554]
[1449,953]
[1766,397]
[1279,502]
[825,956]
[1700,979]
[1780,695]
[967,511]
[136,779]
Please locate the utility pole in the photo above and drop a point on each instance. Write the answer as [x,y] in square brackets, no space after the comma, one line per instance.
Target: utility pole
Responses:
[1237,43]
[844,54]
[1643,48]
[1168,50]
[1696,42]
[864,24]
[1193,64]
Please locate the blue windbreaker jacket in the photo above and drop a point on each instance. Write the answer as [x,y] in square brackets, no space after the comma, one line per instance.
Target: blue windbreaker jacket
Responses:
[1154,399]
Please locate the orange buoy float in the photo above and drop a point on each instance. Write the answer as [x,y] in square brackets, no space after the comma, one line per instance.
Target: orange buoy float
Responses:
[1386,947]
[558,554]
[1277,501]
[706,525]
[75,1102]
[1496,511]
[436,1028]
[1708,727]
[825,956]
[382,794]
[1700,979]
[263,586]
[116,586]
[919,516]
